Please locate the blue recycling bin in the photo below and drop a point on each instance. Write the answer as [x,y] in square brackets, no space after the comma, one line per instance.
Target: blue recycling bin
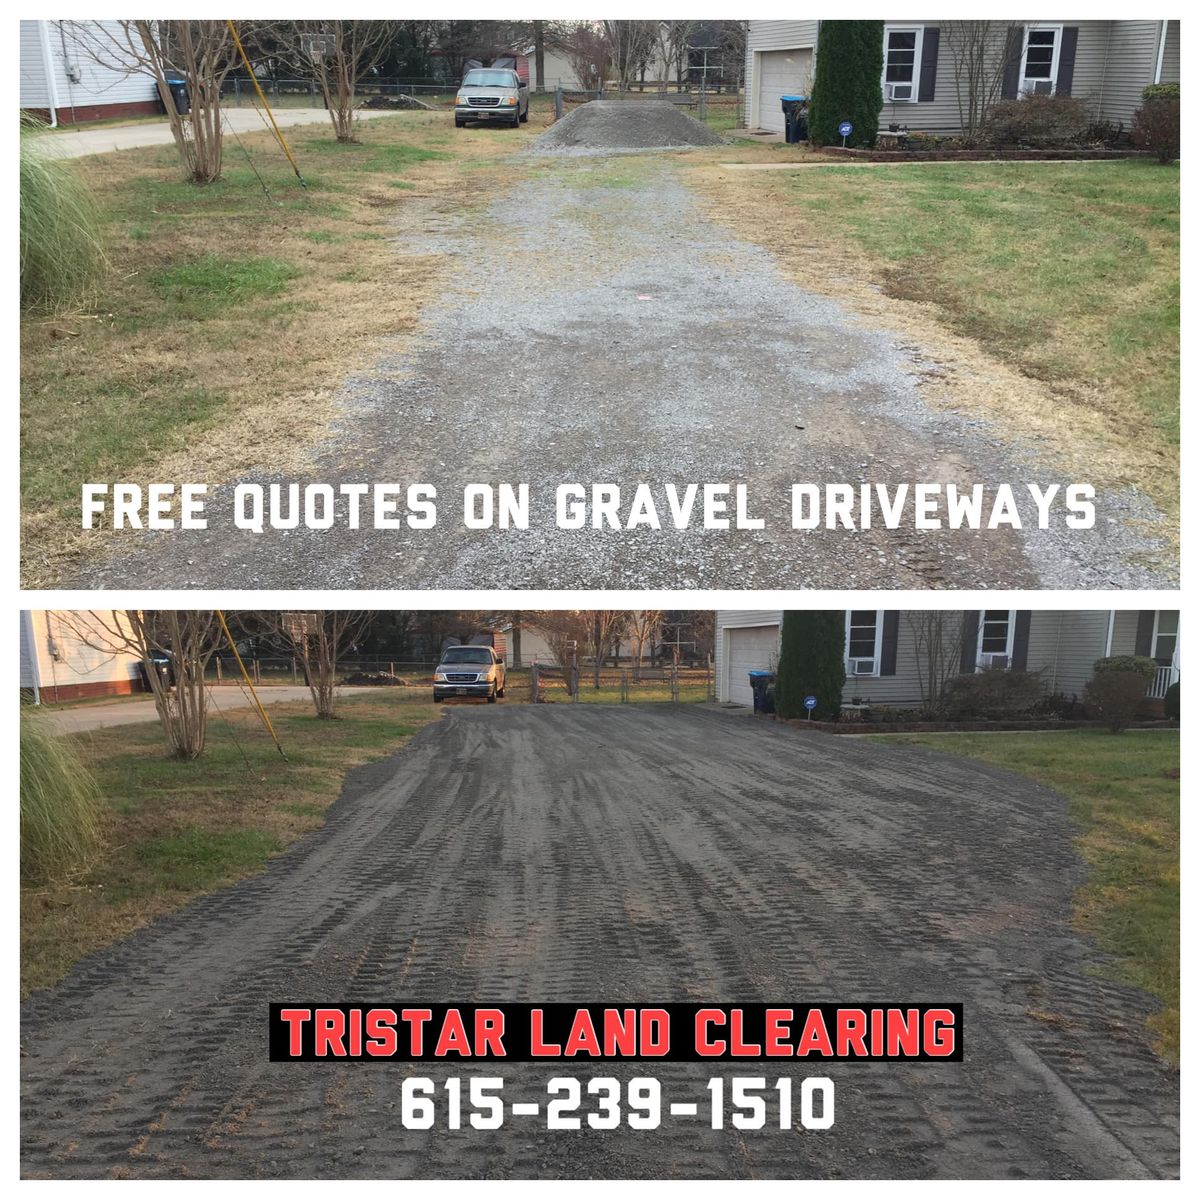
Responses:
[795,118]
[179,93]
[762,684]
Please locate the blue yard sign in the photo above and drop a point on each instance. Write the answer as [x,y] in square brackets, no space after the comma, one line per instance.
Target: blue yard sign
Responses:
[810,702]
[845,129]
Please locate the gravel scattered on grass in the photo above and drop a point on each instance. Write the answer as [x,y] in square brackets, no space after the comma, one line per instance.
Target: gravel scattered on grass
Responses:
[616,126]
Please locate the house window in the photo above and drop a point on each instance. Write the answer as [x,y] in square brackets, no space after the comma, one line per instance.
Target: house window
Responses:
[1039,62]
[864,636]
[1166,637]
[996,626]
[901,62]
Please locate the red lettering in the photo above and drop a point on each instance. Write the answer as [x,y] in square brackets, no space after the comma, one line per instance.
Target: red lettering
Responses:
[852,1032]
[704,1046]
[582,1039]
[329,1027]
[815,1038]
[620,1033]
[453,1036]
[779,1029]
[655,1028]
[939,1032]
[738,1046]
[537,1047]
[489,1032]
[381,1032]
[295,1018]
[903,1032]
[415,1018]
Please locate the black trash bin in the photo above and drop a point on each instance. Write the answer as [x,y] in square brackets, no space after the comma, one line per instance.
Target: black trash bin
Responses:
[762,684]
[163,668]
[179,93]
[795,118]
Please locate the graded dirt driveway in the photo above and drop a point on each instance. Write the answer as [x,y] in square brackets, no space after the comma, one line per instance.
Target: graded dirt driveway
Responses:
[597,327]
[593,853]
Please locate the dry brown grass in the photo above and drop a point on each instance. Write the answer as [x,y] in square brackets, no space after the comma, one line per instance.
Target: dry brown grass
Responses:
[1087,431]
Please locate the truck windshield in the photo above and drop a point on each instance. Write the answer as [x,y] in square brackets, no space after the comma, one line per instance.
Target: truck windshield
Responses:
[490,79]
[467,654]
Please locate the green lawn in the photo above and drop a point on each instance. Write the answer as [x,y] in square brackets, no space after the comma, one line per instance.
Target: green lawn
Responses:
[175,830]
[1069,270]
[1124,798]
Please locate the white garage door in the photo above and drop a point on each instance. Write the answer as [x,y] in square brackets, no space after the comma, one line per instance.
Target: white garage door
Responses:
[781,73]
[750,650]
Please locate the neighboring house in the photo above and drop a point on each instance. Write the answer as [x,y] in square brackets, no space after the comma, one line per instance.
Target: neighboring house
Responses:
[883,659]
[1104,63]
[58,664]
[62,82]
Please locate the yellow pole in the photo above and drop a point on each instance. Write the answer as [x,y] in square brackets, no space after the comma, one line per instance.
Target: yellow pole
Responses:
[237,41]
[262,712]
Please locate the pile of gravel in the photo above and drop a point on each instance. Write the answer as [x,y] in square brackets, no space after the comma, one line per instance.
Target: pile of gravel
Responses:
[613,126]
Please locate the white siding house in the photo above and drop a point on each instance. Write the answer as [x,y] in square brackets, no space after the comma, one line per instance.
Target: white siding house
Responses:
[63,81]
[883,660]
[57,663]
[1104,63]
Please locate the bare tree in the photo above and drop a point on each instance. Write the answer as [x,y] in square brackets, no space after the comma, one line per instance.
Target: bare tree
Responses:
[630,45]
[587,50]
[201,53]
[338,55]
[174,647]
[937,649]
[565,632]
[674,38]
[607,627]
[319,639]
[539,55]
[980,53]
[644,626]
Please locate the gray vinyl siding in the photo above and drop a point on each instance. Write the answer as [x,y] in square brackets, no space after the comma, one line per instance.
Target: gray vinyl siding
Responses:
[1063,646]
[774,35]
[737,618]
[1170,62]
[941,114]
[1114,60]
[1124,636]
[1132,57]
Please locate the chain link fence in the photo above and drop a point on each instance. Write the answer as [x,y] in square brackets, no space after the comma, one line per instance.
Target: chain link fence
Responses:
[550,683]
[721,107]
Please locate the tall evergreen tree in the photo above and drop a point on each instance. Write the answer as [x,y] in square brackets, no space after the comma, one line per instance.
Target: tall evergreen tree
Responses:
[811,663]
[846,85]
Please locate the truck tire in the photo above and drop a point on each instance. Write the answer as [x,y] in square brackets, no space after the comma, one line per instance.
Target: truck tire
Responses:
[492,695]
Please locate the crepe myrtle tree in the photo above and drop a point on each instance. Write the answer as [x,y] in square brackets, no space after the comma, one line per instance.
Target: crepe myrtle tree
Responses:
[201,53]
[174,648]
[338,56]
[319,639]
[812,662]
[846,83]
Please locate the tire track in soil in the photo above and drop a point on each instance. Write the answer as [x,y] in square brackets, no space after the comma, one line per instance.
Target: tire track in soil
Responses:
[579,853]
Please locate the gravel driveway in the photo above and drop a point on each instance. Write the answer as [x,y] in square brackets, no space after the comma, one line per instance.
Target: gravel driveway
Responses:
[584,853]
[596,327]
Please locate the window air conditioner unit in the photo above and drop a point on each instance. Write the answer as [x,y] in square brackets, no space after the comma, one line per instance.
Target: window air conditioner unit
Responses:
[862,666]
[897,91]
[994,662]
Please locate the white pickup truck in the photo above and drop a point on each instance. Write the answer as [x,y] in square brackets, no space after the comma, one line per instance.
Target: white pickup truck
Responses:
[491,94]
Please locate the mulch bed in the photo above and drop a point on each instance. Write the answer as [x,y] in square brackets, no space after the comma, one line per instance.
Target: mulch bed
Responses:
[981,155]
[861,727]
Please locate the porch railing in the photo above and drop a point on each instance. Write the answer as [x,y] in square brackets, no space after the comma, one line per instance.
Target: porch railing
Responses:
[1163,678]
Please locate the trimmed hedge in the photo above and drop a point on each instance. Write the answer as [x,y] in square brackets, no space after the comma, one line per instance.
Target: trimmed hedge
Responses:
[811,663]
[1137,664]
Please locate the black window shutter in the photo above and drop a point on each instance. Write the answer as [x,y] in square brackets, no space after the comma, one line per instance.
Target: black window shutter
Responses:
[887,650]
[1012,62]
[929,55]
[1020,654]
[1066,60]
[970,643]
[1145,634]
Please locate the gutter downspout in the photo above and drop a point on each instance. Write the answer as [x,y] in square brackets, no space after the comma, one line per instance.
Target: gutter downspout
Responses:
[1162,49]
[48,67]
[31,643]
[1112,620]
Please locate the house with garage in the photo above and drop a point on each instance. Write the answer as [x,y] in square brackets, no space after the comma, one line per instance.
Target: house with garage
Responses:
[889,652]
[60,661]
[64,82]
[1104,63]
